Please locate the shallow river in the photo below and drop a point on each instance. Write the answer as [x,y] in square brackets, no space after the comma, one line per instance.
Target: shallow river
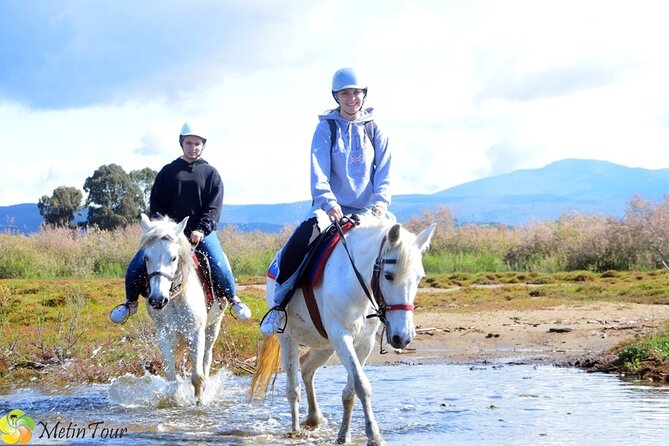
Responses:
[414,405]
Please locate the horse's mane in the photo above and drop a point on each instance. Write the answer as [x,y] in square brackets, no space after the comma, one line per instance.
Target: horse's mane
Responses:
[406,256]
[165,228]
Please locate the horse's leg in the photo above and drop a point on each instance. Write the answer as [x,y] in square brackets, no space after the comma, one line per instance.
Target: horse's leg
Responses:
[362,351]
[290,361]
[309,363]
[197,377]
[347,401]
[168,345]
[363,389]
[211,334]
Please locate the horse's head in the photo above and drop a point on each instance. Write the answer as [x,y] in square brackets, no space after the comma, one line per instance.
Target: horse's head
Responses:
[165,251]
[400,269]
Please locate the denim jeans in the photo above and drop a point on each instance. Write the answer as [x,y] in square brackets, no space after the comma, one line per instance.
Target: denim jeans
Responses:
[224,282]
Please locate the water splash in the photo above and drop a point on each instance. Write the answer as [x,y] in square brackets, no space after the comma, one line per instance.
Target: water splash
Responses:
[155,391]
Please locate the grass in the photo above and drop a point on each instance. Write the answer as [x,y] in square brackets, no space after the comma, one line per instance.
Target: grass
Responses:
[61,326]
[56,331]
[654,348]
[646,357]
[57,286]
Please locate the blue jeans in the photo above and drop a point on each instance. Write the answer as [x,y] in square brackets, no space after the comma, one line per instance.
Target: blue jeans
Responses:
[210,246]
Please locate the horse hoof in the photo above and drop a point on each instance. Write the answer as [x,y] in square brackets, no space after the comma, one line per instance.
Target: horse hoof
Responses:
[344,440]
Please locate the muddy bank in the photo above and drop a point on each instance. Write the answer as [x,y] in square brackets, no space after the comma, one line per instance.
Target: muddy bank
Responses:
[575,335]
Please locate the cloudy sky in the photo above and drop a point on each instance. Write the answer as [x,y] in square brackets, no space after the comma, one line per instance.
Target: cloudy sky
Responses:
[465,90]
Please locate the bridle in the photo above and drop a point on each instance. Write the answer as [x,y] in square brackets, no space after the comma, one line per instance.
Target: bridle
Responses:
[376,287]
[160,273]
[375,297]
[174,287]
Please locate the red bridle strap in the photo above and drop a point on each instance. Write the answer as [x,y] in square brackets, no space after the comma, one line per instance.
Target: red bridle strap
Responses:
[407,307]
[376,288]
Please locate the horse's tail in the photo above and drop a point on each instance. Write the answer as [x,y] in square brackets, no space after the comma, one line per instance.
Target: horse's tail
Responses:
[267,367]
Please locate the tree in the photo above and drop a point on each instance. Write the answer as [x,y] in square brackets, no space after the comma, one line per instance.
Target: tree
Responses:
[114,200]
[144,180]
[60,208]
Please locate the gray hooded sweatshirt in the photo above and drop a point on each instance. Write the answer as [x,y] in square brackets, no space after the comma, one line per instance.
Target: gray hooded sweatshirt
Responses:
[354,172]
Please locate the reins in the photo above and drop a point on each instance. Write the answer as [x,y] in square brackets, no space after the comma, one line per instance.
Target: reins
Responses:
[375,297]
[377,310]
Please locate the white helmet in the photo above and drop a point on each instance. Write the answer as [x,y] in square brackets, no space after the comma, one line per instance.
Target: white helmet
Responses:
[189,129]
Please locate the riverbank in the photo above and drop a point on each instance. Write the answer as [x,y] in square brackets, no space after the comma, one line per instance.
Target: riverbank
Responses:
[581,335]
[57,332]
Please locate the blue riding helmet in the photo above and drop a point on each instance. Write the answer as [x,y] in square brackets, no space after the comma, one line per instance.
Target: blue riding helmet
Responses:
[347,78]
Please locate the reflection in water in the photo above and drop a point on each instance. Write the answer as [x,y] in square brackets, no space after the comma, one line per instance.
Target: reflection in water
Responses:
[414,404]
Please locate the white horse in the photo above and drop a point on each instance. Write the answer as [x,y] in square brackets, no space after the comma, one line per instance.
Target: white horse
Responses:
[177,302]
[344,308]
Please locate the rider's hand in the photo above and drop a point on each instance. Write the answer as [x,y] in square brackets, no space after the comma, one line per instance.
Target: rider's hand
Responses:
[378,211]
[196,237]
[335,214]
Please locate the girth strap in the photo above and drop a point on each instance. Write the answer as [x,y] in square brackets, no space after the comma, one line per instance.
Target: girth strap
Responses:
[312,306]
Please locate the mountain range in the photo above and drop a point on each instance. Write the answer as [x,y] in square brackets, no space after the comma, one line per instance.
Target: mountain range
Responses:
[515,198]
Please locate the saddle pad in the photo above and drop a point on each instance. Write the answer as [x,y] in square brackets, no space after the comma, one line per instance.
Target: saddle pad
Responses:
[205,278]
[273,270]
[317,258]
[321,258]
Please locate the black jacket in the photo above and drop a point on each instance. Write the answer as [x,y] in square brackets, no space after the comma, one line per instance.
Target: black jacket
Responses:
[194,190]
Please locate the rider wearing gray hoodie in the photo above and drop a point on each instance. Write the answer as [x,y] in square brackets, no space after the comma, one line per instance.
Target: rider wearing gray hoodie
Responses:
[350,173]
[355,172]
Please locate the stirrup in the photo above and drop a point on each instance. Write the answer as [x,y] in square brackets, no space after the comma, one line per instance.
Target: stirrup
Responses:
[281,312]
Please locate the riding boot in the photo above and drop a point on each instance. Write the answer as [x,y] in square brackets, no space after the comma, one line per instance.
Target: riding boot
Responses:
[239,308]
[275,319]
[121,313]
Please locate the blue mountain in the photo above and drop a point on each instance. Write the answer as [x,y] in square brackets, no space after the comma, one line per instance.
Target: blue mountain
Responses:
[515,198]
[22,218]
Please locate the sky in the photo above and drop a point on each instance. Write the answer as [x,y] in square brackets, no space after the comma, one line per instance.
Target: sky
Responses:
[464,89]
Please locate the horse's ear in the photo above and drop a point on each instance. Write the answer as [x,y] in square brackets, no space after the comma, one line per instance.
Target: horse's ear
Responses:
[145,222]
[394,234]
[423,239]
[181,226]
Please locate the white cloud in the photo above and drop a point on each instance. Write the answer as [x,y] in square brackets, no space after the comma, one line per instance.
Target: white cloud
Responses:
[463,89]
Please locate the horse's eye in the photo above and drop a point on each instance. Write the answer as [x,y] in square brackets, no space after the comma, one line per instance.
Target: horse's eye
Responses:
[174,259]
[389,276]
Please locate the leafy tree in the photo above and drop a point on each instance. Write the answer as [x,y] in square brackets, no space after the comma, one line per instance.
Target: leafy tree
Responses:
[114,200]
[144,180]
[60,208]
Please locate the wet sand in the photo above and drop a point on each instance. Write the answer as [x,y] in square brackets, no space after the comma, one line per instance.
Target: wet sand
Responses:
[559,335]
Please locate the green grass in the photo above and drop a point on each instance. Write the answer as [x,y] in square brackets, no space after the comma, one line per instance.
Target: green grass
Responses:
[61,325]
[635,355]
[447,262]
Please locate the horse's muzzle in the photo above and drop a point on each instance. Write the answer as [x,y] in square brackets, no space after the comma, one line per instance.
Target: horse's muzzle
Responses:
[158,302]
[399,342]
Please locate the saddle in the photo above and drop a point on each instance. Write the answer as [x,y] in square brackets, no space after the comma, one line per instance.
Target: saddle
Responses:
[311,268]
[203,269]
